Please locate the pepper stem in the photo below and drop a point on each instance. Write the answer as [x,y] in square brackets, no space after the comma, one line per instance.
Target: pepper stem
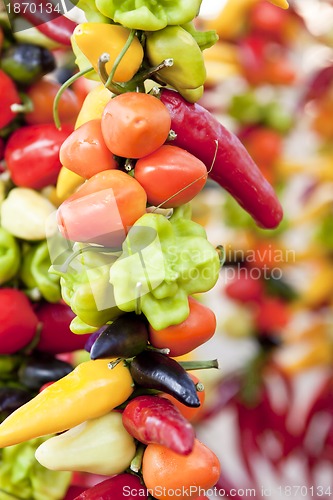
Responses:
[119,57]
[137,460]
[199,365]
[164,350]
[62,89]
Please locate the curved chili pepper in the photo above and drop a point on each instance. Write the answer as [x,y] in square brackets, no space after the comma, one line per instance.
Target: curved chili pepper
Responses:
[56,27]
[154,370]
[152,419]
[200,133]
[125,337]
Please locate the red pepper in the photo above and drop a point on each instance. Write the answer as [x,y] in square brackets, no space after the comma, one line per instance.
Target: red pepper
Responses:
[197,131]
[152,419]
[48,21]
[8,96]
[32,154]
[116,488]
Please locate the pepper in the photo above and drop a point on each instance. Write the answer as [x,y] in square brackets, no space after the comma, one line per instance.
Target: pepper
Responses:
[116,488]
[163,261]
[154,370]
[9,256]
[152,419]
[100,446]
[188,69]
[91,390]
[85,286]
[12,398]
[148,15]
[26,63]
[34,272]
[39,369]
[201,134]
[125,337]
[93,39]
[9,96]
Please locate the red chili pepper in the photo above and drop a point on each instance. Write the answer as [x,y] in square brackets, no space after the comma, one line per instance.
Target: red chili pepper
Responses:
[8,96]
[152,419]
[197,131]
[116,488]
[32,154]
[48,21]
[245,289]
[55,336]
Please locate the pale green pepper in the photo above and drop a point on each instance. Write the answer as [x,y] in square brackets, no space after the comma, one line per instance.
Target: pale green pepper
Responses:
[163,262]
[149,15]
[9,256]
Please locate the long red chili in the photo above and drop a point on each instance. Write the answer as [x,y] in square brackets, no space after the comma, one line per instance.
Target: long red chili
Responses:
[197,131]
[48,21]
[152,419]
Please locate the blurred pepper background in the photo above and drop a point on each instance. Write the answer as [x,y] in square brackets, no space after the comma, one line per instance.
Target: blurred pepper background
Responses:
[268,413]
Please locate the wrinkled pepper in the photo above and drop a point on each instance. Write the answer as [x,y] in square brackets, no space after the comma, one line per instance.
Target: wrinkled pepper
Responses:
[34,272]
[154,370]
[100,446]
[9,256]
[85,287]
[188,71]
[149,15]
[152,419]
[125,337]
[91,390]
[91,40]
[163,261]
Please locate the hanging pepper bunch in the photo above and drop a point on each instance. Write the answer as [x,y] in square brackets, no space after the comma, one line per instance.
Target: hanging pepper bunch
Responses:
[131,260]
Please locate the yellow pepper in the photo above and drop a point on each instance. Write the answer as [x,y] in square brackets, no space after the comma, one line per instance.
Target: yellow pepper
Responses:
[91,390]
[231,20]
[280,3]
[93,39]
[100,446]
[92,108]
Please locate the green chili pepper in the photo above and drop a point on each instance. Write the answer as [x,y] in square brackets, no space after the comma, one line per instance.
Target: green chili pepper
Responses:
[188,69]
[163,261]
[34,272]
[9,256]
[85,287]
[204,39]
[149,15]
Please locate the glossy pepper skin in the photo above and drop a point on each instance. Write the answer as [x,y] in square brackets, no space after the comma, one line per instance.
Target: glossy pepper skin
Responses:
[188,70]
[91,390]
[171,259]
[125,337]
[99,446]
[152,419]
[39,369]
[154,370]
[147,15]
[9,256]
[197,132]
[116,488]
[34,272]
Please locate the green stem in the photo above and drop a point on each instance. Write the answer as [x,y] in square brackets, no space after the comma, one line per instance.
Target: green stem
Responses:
[62,89]
[119,57]
[137,460]
[199,365]
[114,87]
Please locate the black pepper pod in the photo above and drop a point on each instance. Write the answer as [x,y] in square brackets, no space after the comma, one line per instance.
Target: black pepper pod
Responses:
[12,398]
[154,370]
[26,63]
[126,337]
[41,368]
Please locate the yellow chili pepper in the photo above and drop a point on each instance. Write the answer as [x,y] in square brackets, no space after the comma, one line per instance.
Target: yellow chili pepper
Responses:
[280,3]
[91,390]
[93,39]
[92,108]
[231,20]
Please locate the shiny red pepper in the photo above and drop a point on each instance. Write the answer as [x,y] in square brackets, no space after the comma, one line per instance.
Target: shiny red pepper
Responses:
[32,154]
[152,419]
[8,96]
[116,488]
[200,133]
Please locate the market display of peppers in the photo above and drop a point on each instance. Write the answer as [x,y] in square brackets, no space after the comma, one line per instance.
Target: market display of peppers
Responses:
[107,268]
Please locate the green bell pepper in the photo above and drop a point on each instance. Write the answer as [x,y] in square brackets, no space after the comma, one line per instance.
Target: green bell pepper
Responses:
[149,15]
[9,256]
[34,272]
[188,71]
[162,263]
[85,287]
